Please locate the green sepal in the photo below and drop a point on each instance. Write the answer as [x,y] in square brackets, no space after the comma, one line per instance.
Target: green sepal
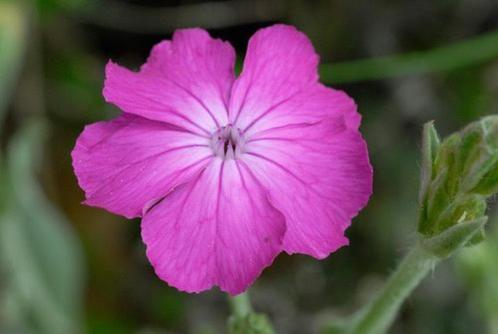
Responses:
[472,148]
[448,158]
[477,238]
[481,177]
[489,126]
[436,202]
[481,172]
[430,146]
[464,207]
[488,183]
[453,238]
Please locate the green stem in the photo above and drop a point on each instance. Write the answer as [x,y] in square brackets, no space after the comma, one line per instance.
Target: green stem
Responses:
[376,317]
[469,52]
[243,319]
[240,305]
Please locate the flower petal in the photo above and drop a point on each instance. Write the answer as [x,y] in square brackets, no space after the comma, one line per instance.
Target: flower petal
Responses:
[185,82]
[279,62]
[125,164]
[312,104]
[219,229]
[318,175]
[278,77]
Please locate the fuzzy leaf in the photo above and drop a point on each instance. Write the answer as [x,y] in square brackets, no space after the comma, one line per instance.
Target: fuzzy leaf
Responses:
[39,252]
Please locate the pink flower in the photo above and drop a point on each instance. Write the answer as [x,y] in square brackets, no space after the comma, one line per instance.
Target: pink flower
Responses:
[227,172]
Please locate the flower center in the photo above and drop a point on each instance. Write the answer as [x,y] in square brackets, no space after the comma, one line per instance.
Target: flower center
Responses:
[227,142]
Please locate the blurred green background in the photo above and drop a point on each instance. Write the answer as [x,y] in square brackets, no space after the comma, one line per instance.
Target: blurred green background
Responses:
[68,268]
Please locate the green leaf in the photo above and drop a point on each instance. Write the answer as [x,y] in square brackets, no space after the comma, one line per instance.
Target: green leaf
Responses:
[40,254]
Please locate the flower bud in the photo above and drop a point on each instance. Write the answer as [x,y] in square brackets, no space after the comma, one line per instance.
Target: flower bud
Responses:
[457,177]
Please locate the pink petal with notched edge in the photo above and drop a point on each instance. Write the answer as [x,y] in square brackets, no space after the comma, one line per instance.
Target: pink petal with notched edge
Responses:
[318,175]
[126,163]
[219,229]
[279,84]
[280,62]
[185,82]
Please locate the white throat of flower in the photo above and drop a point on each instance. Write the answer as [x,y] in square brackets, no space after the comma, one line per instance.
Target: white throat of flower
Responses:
[227,142]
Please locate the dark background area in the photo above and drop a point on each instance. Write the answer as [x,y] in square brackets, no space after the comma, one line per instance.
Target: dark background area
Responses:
[65,264]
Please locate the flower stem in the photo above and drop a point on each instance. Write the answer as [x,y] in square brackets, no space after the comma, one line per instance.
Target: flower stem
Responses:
[469,52]
[244,320]
[377,316]
[240,305]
